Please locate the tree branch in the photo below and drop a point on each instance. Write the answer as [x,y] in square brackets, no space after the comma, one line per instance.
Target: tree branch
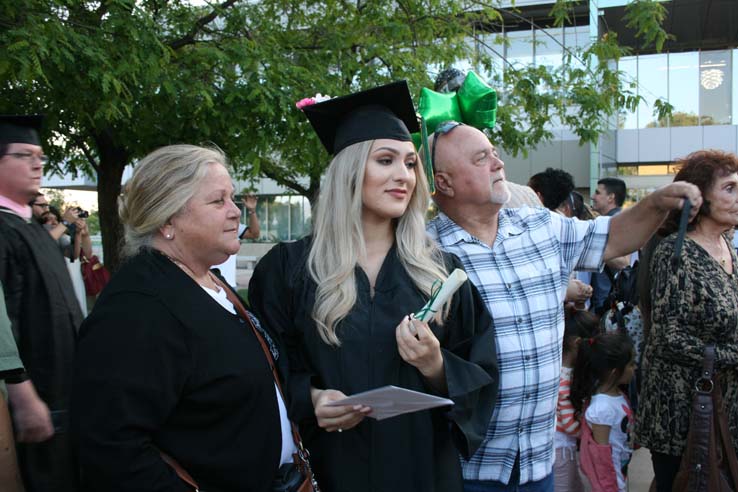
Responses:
[102,9]
[275,175]
[79,141]
[189,38]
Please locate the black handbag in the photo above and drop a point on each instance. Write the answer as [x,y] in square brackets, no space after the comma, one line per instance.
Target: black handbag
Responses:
[289,479]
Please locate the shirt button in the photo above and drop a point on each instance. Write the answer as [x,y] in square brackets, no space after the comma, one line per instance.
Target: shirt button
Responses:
[520,320]
[527,357]
[508,285]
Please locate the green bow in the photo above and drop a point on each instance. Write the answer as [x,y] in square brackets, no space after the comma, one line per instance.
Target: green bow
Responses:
[474,104]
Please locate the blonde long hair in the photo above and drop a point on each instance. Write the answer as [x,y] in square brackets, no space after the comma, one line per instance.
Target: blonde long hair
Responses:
[338,240]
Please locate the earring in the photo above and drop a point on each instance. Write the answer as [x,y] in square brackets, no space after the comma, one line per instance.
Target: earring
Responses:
[169,236]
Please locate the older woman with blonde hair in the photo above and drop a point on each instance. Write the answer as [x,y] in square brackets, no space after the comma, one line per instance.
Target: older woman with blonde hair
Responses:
[165,363]
[340,300]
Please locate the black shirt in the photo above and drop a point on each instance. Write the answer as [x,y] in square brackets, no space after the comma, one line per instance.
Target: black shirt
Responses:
[162,365]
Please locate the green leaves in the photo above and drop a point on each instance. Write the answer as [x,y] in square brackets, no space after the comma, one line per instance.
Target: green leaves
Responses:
[122,77]
[646,17]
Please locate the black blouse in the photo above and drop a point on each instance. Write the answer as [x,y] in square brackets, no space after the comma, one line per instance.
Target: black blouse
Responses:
[412,452]
[161,364]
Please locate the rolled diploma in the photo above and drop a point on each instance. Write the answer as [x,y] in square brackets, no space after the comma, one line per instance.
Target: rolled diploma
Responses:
[451,285]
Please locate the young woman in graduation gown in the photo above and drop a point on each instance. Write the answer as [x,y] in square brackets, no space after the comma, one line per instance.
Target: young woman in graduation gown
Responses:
[340,301]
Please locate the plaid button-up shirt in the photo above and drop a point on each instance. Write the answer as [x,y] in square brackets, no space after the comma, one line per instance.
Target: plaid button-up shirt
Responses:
[522,279]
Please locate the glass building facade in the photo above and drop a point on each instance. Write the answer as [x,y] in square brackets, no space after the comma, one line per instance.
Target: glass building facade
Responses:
[282,217]
[700,85]
[698,79]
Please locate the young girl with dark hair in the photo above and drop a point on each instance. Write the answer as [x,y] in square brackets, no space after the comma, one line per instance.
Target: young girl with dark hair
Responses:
[604,363]
[580,325]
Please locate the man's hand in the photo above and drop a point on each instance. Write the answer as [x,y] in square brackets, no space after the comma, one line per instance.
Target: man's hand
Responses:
[70,215]
[249,201]
[81,227]
[578,292]
[31,416]
[671,197]
[630,229]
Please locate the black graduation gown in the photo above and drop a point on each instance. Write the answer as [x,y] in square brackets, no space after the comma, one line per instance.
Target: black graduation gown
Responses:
[44,315]
[160,364]
[412,452]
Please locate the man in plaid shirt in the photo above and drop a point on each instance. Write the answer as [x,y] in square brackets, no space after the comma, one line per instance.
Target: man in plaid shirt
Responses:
[520,261]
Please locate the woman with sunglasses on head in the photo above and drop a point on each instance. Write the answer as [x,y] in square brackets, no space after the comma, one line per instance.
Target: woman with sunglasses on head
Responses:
[340,300]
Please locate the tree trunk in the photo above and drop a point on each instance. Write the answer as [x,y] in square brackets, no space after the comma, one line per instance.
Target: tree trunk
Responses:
[113,160]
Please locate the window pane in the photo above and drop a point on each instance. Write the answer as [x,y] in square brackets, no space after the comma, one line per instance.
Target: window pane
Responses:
[735,88]
[491,51]
[549,47]
[577,37]
[652,85]
[520,48]
[279,217]
[715,87]
[299,217]
[684,83]
[261,214]
[629,68]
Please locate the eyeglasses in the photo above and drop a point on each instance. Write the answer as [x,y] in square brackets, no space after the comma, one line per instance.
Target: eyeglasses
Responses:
[29,157]
[42,205]
[442,129]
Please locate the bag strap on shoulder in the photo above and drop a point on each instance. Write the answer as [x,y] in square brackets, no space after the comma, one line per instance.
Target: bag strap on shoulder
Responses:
[245,316]
[181,472]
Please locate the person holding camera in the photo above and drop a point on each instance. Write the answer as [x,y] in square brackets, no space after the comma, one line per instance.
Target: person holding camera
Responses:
[70,231]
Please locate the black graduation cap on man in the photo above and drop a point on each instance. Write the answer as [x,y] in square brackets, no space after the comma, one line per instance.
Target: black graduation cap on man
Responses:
[20,129]
[382,112]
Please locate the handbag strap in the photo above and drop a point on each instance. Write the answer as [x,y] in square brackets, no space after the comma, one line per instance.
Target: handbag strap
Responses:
[729,454]
[245,316]
[708,362]
[181,472]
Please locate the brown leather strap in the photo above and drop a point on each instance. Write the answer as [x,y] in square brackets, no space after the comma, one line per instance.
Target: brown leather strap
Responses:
[708,361]
[244,315]
[181,472]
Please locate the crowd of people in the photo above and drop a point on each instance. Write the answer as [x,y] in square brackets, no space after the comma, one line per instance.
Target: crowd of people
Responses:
[175,383]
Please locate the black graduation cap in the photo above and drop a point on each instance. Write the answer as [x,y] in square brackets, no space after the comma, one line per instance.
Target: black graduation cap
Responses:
[382,112]
[20,129]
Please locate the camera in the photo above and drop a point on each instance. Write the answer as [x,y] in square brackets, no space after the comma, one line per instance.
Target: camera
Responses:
[82,214]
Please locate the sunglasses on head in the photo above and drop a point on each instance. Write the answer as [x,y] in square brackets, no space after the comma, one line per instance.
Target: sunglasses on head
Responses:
[442,129]
[576,202]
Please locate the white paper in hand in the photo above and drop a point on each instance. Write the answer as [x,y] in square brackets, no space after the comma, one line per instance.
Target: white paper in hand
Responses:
[390,401]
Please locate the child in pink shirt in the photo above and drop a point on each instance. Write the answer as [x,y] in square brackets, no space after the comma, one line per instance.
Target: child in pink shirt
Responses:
[604,364]
[579,325]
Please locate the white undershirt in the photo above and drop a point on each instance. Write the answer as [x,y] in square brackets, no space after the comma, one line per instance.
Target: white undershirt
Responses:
[288,444]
